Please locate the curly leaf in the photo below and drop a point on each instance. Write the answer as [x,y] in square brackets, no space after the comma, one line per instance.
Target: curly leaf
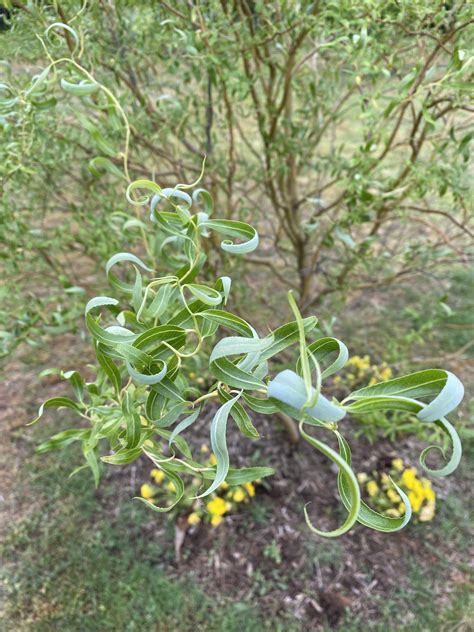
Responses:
[444,386]
[219,444]
[368,516]
[323,347]
[352,487]
[81,89]
[289,388]
[119,258]
[456,452]
[179,491]
[56,402]
[233,228]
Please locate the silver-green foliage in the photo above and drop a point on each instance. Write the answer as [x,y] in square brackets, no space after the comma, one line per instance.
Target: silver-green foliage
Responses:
[150,327]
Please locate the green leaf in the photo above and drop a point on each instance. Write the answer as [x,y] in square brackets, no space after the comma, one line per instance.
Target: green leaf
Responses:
[185,423]
[247,474]
[415,407]
[232,228]
[132,420]
[161,301]
[56,402]
[147,185]
[311,394]
[228,320]
[208,295]
[368,516]
[73,377]
[444,386]
[152,339]
[240,416]
[168,389]
[289,388]
[123,457]
[100,165]
[235,345]
[180,443]
[120,258]
[456,453]
[323,347]
[62,439]
[287,335]
[90,455]
[227,372]
[179,491]
[154,405]
[109,368]
[353,491]
[142,378]
[81,89]
[219,444]
[172,414]
[259,405]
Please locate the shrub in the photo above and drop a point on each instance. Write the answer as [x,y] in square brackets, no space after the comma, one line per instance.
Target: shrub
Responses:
[142,393]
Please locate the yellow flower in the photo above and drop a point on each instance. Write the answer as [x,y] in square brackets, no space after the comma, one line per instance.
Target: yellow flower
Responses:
[218,506]
[239,495]
[401,508]
[426,483]
[216,520]
[415,501]
[428,512]
[372,488]
[398,464]
[204,448]
[418,488]
[393,496]
[359,363]
[394,513]
[386,374]
[148,443]
[157,475]
[430,495]
[224,485]
[171,487]
[213,459]
[362,477]
[385,478]
[337,379]
[372,381]
[146,491]
[250,489]
[409,477]
[194,518]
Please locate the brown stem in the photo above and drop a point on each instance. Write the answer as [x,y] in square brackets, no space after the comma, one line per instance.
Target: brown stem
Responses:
[290,427]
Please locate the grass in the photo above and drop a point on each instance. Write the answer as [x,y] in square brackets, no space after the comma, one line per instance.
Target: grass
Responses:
[70,566]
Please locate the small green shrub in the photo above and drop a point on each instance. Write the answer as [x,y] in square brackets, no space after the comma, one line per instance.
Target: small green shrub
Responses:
[147,334]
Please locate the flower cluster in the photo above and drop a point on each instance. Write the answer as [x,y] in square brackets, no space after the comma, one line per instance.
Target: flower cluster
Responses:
[385,499]
[359,369]
[224,501]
